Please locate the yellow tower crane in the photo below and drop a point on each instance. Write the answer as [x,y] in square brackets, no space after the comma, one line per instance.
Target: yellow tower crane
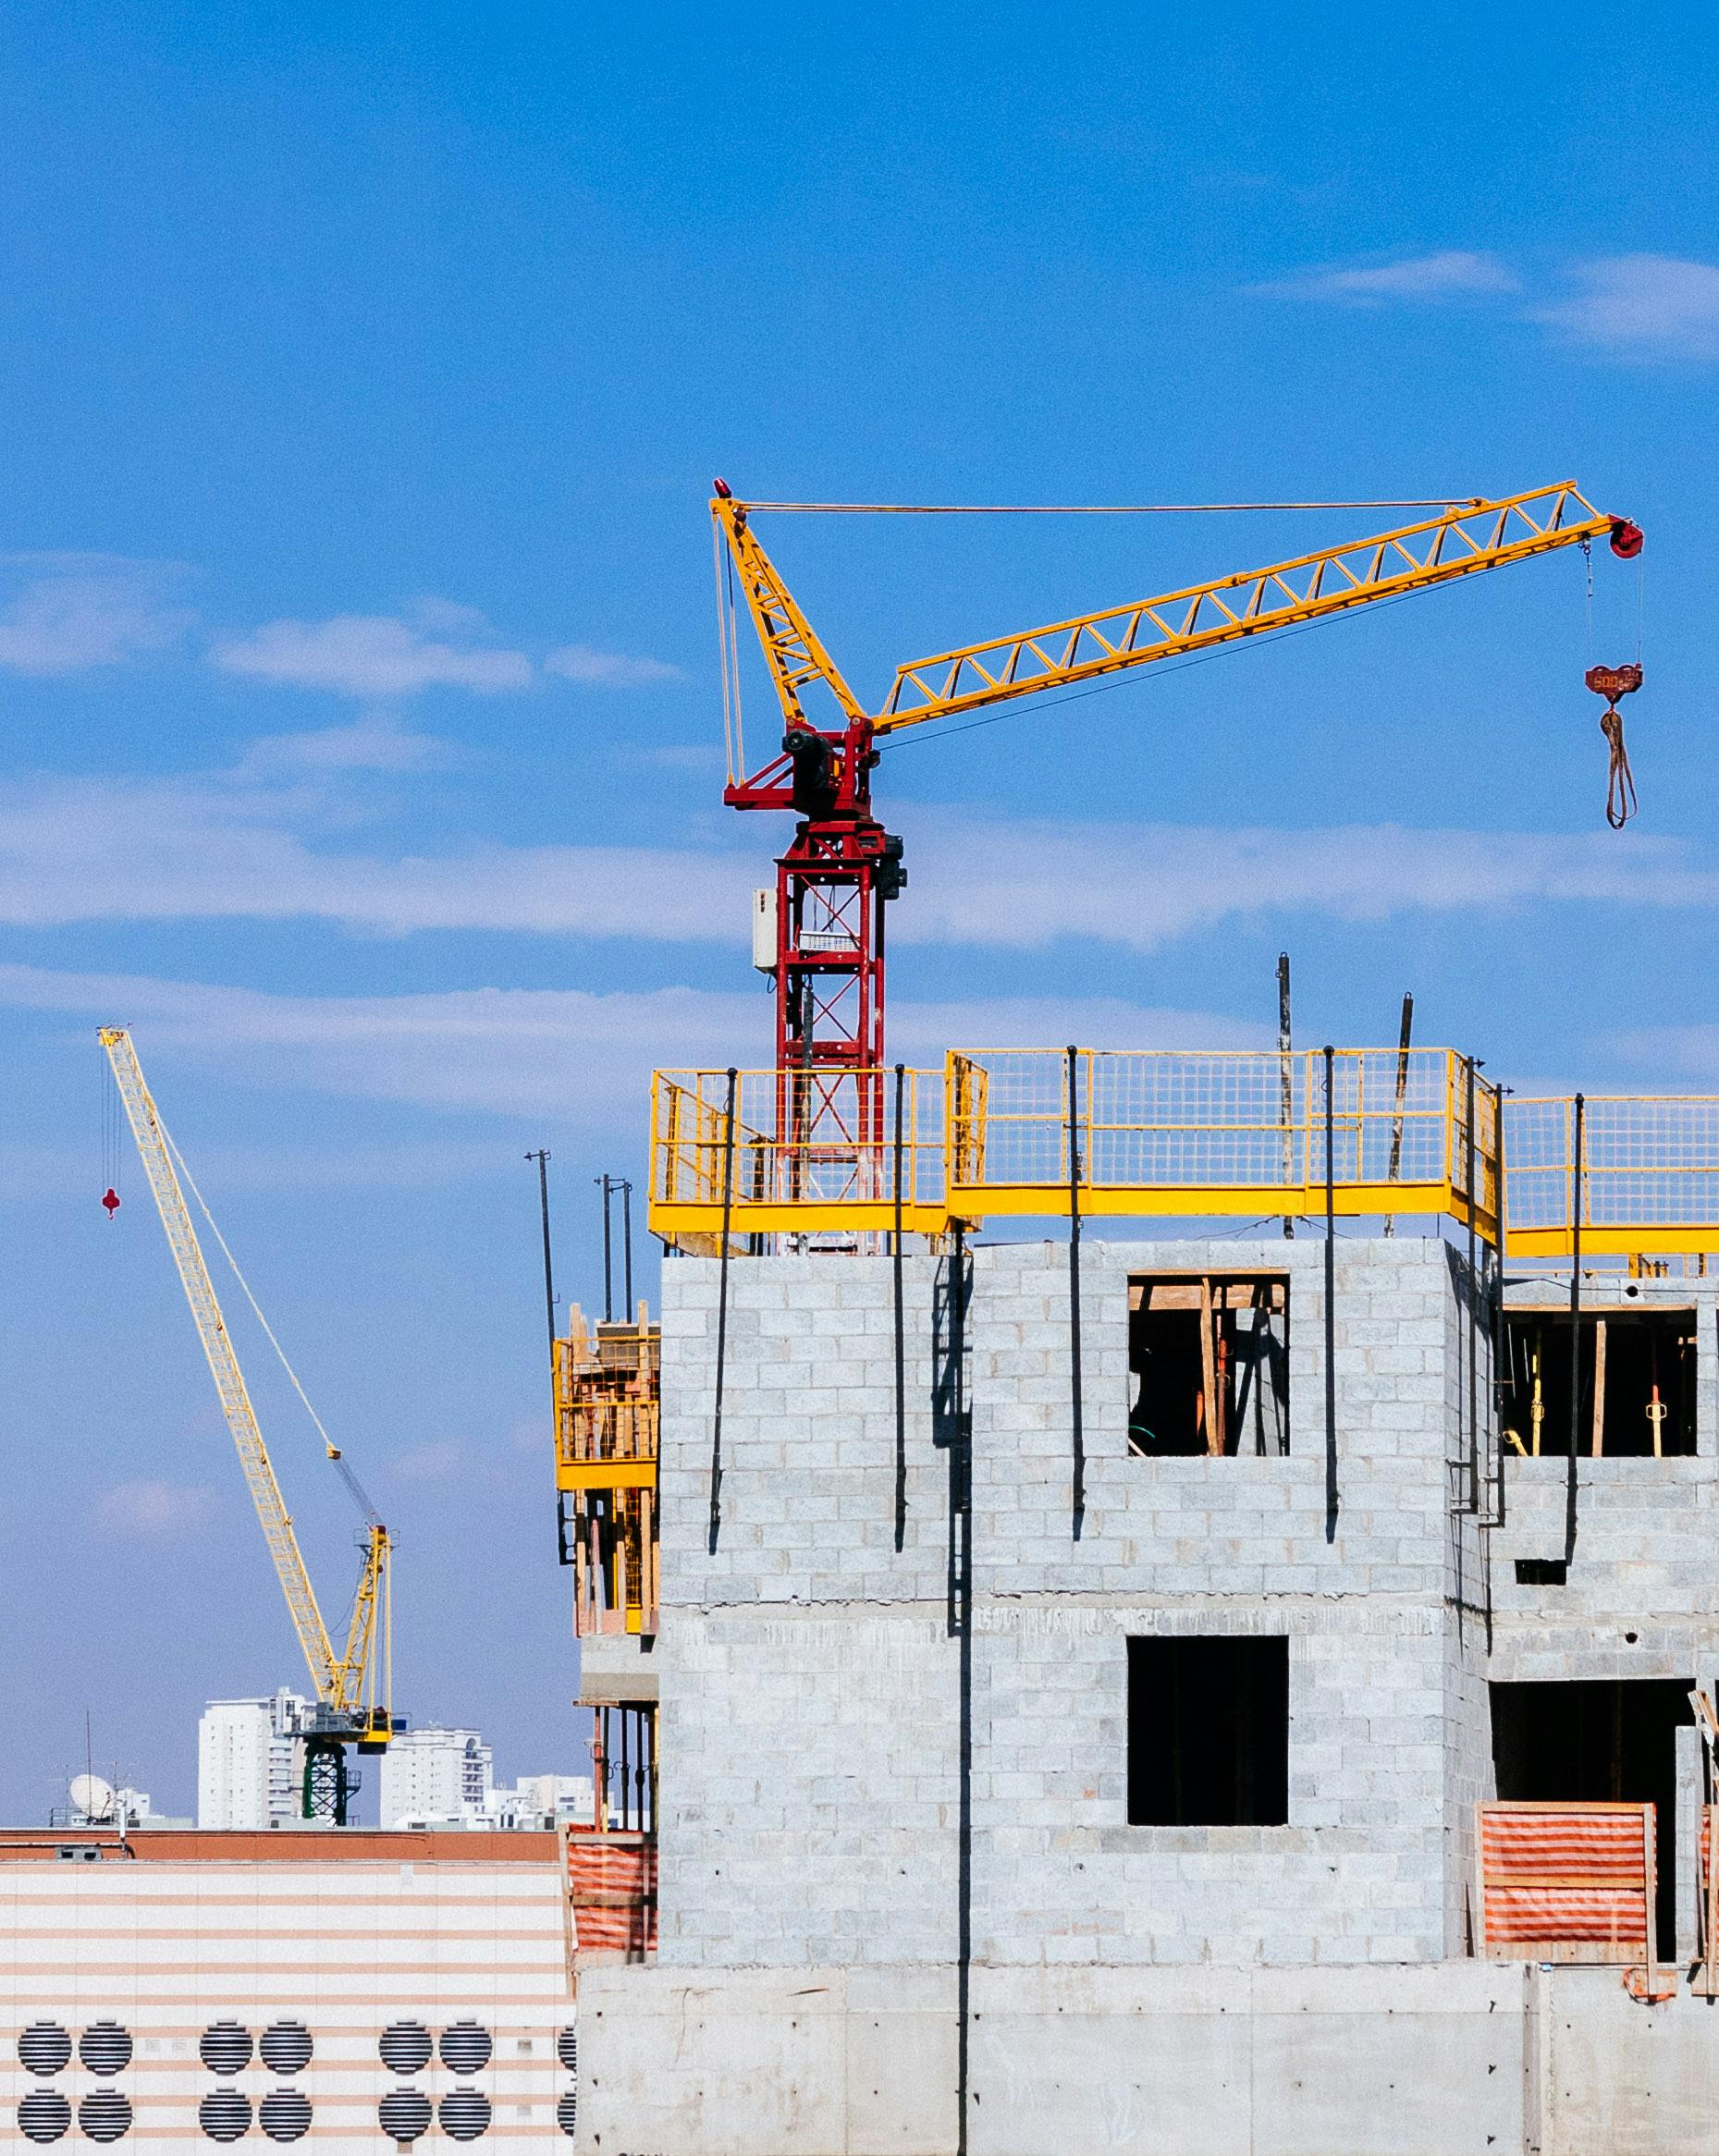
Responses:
[353,1687]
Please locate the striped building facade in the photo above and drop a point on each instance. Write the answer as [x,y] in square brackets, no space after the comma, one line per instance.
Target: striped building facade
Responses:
[356,1990]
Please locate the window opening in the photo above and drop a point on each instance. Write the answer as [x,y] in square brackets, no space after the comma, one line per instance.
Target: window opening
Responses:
[1637,1397]
[1210,1356]
[1208,1732]
[1598,1741]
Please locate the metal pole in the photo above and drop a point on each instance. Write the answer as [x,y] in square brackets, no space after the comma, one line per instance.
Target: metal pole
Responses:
[1474,1311]
[1286,1092]
[542,1159]
[1575,1321]
[728,1218]
[1331,1300]
[1402,1090]
[1075,1403]
[901,1325]
[608,1276]
[626,1241]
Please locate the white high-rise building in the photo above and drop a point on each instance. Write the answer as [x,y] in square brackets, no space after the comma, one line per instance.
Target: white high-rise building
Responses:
[251,1761]
[435,1776]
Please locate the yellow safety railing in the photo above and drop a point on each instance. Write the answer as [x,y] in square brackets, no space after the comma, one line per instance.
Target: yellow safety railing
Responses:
[1154,1132]
[812,1151]
[1173,1133]
[1649,1175]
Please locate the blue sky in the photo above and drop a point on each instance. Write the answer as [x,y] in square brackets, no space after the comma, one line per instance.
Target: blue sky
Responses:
[366,371]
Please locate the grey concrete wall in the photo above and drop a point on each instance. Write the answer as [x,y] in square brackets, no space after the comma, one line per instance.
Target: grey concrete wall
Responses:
[1462,2059]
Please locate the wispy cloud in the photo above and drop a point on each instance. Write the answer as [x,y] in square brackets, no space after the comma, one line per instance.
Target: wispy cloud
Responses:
[607,669]
[1453,274]
[1683,1051]
[254,844]
[71,612]
[377,655]
[1642,306]
[155,1511]
[376,743]
[564,1053]
[439,1459]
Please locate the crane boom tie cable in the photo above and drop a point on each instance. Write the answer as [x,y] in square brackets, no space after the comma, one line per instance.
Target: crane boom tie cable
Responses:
[334,1451]
[1462,501]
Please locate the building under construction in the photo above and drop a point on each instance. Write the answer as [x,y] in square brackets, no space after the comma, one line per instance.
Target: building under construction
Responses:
[1186,1619]
[1181,1684]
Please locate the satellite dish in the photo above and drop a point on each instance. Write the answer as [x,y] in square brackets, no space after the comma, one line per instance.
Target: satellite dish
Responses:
[93,1796]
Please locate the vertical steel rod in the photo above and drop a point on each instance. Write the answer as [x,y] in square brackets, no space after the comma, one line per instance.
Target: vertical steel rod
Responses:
[900,1327]
[1076,1404]
[1330,1299]
[1404,1036]
[728,1216]
[1575,1321]
[1286,1089]
[542,1159]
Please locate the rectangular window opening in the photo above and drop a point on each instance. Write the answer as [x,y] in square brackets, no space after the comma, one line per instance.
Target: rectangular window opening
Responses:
[1636,1384]
[1208,1732]
[1598,1741]
[1542,1572]
[1208,1355]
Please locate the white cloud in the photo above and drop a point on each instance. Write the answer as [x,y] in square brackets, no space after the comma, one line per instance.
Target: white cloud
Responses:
[155,1511]
[438,1461]
[233,847]
[1646,306]
[607,669]
[374,654]
[74,611]
[1685,1051]
[1027,883]
[253,845]
[565,1054]
[376,743]
[1453,274]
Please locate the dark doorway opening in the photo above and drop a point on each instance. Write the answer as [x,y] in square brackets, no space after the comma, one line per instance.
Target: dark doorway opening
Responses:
[1208,1732]
[1637,1398]
[1609,1741]
[1209,1353]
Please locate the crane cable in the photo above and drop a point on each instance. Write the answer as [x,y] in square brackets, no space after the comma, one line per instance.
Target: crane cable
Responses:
[1461,501]
[333,1450]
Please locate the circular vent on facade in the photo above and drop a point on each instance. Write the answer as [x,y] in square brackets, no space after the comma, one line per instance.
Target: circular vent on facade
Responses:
[103,2115]
[286,2047]
[44,2115]
[465,2047]
[105,2047]
[285,2116]
[225,2116]
[404,2114]
[44,2047]
[566,2049]
[464,2115]
[225,2048]
[405,2047]
[567,2114]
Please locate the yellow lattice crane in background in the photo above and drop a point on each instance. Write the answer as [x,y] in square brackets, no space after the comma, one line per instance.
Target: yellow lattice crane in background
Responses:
[354,1686]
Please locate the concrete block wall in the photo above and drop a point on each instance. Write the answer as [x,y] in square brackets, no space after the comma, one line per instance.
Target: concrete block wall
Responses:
[811,1675]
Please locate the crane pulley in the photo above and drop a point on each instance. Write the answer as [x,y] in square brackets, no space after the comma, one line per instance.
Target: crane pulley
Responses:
[353,1686]
[841,868]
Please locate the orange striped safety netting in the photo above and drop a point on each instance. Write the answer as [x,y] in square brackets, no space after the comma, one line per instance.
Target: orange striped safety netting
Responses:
[1570,1882]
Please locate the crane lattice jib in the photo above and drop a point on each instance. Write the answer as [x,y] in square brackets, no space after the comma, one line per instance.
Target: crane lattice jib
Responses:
[1464,541]
[332,1678]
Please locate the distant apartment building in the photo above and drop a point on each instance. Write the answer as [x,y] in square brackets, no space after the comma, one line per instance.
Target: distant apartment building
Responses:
[440,1776]
[251,1761]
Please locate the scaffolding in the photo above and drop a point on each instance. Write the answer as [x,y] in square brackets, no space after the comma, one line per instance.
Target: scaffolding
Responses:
[607,1424]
